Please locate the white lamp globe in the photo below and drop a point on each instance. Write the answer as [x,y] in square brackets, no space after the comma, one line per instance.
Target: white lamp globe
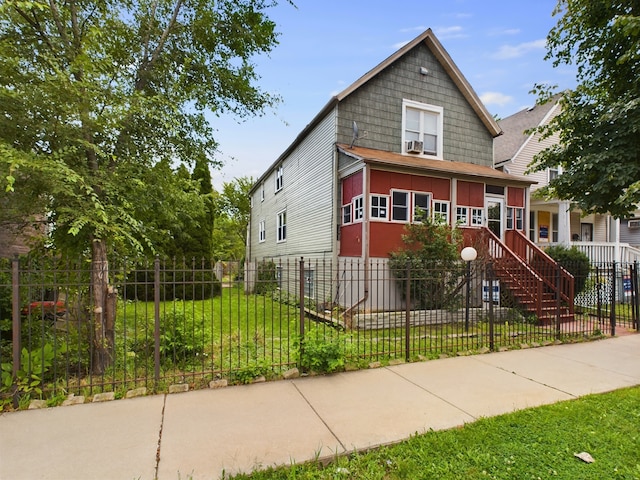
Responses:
[468,254]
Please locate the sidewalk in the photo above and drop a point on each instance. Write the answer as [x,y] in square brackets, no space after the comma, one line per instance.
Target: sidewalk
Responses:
[202,433]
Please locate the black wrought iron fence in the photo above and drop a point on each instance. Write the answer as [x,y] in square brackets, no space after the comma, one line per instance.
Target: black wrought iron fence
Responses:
[178,322]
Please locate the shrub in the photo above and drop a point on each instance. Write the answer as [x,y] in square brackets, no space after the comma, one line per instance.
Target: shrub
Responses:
[266,280]
[430,250]
[323,351]
[574,261]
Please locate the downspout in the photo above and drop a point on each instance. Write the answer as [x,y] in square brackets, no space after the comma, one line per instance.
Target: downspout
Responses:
[365,241]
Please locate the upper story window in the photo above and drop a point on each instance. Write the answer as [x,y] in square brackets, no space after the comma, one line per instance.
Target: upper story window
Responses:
[279,178]
[262,231]
[262,192]
[421,128]
[554,173]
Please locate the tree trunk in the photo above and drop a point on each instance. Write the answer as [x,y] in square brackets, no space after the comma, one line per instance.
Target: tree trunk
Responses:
[103,308]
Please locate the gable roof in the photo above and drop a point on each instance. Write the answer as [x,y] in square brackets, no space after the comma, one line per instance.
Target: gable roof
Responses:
[513,138]
[459,169]
[436,48]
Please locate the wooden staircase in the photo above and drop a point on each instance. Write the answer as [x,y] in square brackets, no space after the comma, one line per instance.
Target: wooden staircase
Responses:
[536,281]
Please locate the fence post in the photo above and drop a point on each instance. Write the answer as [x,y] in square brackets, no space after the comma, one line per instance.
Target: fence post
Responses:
[301,305]
[156,315]
[558,301]
[634,293]
[17,334]
[489,274]
[407,316]
[612,311]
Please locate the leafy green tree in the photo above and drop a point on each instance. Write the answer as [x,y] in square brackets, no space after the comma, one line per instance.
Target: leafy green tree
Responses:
[430,255]
[599,125]
[234,210]
[94,94]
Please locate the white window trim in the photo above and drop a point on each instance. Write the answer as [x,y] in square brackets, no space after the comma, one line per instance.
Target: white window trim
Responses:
[477,217]
[436,213]
[279,226]
[459,221]
[371,207]
[357,211]
[344,207]
[262,231]
[408,206]
[262,192]
[427,108]
[279,178]
[429,196]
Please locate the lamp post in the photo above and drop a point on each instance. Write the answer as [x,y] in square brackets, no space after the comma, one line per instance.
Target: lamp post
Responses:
[468,254]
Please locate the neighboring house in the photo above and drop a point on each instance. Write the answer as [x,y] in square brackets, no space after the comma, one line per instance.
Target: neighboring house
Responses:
[410,135]
[553,222]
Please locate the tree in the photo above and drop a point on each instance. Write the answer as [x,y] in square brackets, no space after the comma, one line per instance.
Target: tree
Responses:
[599,125]
[234,210]
[94,94]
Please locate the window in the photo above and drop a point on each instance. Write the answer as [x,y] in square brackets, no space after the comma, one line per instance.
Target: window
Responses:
[532,226]
[421,202]
[346,214]
[279,178]
[515,218]
[379,206]
[462,216]
[309,276]
[441,211]
[262,192]
[554,173]
[358,208]
[281,226]
[422,123]
[262,232]
[400,206]
[476,217]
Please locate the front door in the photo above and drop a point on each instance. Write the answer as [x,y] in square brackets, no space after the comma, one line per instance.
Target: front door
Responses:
[495,214]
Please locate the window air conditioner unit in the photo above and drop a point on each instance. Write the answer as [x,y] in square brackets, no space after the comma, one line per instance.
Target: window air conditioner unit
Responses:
[633,224]
[414,146]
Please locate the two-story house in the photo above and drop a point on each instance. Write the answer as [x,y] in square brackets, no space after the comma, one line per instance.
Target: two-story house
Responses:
[410,135]
[553,221]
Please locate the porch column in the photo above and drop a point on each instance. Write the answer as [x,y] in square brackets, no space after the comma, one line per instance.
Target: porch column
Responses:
[564,223]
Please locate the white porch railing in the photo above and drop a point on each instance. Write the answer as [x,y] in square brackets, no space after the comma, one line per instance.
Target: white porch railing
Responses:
[601,252]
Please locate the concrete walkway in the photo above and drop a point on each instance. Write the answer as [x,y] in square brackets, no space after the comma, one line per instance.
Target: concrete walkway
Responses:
[202,433]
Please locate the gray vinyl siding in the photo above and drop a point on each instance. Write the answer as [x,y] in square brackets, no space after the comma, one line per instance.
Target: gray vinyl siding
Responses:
[307,195]
[377,109]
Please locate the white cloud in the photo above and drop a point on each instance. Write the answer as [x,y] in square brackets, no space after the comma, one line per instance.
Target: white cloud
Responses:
[504,31]
[510,51]
[455,31]
[495,98]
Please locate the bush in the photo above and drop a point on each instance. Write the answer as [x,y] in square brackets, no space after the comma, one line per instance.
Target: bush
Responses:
[430,251]
[266,280]
[323,351]
[574,261]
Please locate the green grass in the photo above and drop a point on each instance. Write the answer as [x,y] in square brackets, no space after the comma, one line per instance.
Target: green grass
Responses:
[537,443]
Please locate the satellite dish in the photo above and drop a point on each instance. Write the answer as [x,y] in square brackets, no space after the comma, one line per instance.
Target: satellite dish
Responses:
[355,134]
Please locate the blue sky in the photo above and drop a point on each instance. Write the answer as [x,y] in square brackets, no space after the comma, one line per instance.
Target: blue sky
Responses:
[325,45]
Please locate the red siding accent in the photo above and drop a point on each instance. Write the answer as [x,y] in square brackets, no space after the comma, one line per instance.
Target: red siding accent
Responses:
[351,240]
[385,238]
[351,235]
[383,182]
[351,187]
[515,197]
[471,194]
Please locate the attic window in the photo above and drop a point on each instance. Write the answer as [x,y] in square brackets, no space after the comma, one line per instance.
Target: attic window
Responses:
[421,129]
